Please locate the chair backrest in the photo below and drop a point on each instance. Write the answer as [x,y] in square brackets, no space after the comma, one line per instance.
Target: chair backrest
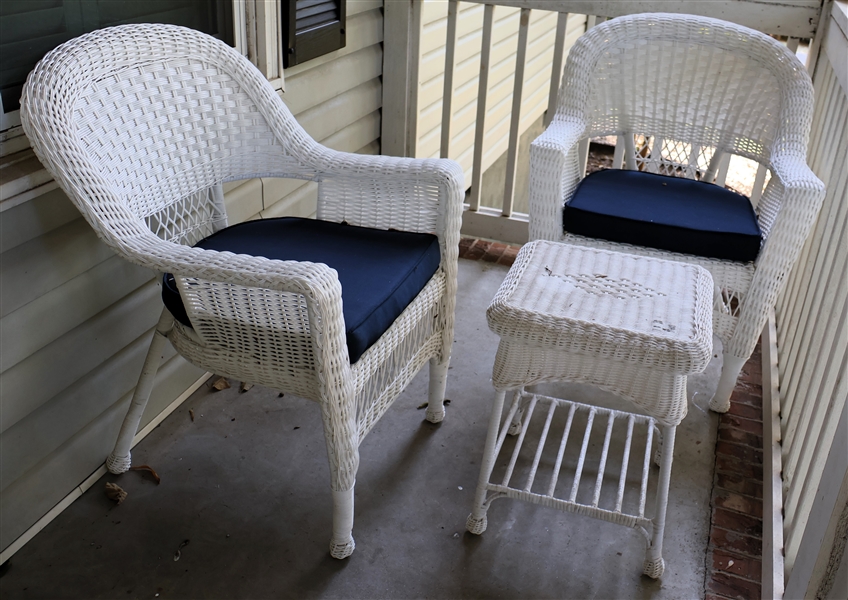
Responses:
[701,81]
[138,122]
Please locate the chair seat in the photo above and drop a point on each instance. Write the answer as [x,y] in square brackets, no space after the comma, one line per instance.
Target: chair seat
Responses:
[380,271]
[663,212]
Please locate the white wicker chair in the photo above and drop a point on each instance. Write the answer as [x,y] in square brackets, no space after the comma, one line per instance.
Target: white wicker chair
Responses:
[698,89]
[140,124]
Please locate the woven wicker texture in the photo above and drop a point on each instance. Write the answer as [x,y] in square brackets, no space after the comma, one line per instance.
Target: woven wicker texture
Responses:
[701,89]
[636,326]
[140,125]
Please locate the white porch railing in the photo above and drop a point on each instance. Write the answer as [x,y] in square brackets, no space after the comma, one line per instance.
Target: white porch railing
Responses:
[807,507]
[812,348]
[504,219]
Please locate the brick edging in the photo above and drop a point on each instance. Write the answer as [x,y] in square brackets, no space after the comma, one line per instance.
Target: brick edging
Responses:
[734,552]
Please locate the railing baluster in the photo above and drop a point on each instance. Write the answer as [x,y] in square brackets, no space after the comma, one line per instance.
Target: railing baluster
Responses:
[759,182]
[556,66]
[450,67]
[515,121]
[482,94]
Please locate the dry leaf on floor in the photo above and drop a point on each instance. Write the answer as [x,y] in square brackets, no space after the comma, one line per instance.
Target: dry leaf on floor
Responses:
[191,414]
[244,387]
[220,384]
[178,553]
[420,406]
[115,492]
[150,470]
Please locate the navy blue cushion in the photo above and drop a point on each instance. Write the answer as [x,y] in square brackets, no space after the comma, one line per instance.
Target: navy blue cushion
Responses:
[380,271]
[668,213]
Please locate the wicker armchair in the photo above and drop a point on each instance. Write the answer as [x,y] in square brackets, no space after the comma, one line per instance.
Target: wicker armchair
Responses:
[683,93]
[140,125]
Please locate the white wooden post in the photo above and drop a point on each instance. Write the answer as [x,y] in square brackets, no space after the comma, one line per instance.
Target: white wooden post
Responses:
[401,36]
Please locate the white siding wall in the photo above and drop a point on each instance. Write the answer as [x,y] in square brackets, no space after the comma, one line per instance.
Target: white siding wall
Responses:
[75,321]
[501,77]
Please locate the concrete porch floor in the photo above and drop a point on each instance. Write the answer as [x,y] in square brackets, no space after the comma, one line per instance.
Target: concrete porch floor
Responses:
[245,499]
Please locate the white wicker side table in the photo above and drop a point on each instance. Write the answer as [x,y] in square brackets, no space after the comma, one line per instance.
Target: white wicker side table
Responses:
[635,326]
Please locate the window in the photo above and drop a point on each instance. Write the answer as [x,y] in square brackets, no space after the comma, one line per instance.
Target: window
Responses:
[311,28]
[31,28]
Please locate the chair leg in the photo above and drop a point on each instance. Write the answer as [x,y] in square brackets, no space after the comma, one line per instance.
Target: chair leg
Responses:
[119,461]
[730,369]
[654,564]
[477,522]
[438,383]
[341,436]
[342,544]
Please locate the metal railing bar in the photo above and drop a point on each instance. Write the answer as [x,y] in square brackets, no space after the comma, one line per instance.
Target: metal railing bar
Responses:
[515,120]
[450,68]
[482,95]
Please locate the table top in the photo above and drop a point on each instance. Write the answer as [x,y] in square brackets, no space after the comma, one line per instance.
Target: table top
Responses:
[569,297]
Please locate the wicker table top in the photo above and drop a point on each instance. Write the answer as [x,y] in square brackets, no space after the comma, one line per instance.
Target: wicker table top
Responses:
[633,309]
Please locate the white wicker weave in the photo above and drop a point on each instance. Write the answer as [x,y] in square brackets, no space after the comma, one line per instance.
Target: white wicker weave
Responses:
[140,125]
[701,88]
[633,325]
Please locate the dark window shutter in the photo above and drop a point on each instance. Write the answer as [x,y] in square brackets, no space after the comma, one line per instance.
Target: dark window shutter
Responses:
[31,28]
[311,28]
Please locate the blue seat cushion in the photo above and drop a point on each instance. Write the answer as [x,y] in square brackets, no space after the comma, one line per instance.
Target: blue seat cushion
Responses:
[380,271]
[667,213]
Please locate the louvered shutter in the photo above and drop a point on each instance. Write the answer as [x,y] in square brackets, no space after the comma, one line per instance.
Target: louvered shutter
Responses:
[311,28]
[31,28]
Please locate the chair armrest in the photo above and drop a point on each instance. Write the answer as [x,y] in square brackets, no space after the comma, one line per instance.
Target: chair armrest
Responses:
[554,175]
[386,192]
[801,195]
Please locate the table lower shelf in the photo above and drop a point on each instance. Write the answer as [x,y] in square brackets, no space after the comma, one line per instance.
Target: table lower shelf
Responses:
[573,457]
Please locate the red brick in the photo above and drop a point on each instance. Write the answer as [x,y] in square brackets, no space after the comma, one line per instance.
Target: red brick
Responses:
[494,252]
[477,250]
[715,597]
[736,542]
[741,504]
[745,410]
[749,397]
[464,245]
[747,454]
[754,426]
[728,464]
[737,436]
[738,522]
[734,587]
[736,564]
[508,257]
[740,484]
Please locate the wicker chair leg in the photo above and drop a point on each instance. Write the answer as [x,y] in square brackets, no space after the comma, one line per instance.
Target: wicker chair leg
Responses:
[119,461]
[342,544]
[477,522]
[654,564]
[438,383]
[730,370]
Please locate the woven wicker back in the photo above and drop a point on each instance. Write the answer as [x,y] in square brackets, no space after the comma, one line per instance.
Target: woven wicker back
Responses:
[144,119]
[695,80]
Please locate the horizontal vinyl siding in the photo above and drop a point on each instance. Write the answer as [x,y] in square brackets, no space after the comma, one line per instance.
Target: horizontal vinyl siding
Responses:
[76,321]
[537,77]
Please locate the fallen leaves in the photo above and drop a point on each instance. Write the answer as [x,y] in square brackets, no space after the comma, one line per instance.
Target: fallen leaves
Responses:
[220,384]
[116,493]
[244,387]
[191,415]
[150,470]
[178,553]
